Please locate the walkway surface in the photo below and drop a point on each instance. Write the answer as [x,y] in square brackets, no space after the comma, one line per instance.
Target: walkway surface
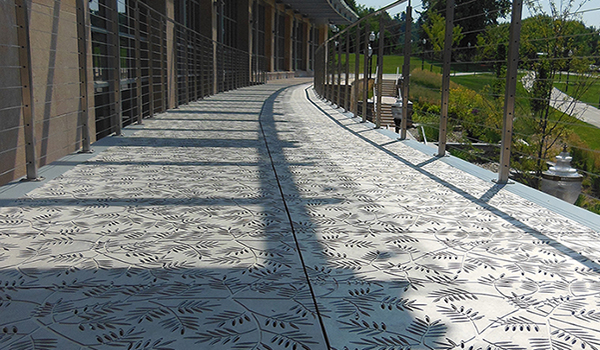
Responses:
[265,219]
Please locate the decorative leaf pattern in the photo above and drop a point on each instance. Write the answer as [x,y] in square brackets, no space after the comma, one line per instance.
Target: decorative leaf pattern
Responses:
[178,237]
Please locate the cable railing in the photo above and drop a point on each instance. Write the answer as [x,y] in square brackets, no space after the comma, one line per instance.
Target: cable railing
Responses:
[502,90]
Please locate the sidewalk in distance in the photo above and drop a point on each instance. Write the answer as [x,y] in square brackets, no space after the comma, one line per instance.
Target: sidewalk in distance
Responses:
[262,218]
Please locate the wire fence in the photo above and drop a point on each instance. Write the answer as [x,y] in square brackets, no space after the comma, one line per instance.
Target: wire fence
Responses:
[468,97]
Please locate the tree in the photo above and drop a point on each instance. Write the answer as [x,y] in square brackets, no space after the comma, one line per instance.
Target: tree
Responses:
[472,16]
[352,5]
[436,31]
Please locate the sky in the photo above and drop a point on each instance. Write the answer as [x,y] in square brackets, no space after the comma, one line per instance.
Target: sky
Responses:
[591,8]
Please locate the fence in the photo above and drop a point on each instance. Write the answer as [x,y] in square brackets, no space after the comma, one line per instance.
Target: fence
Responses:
[496,86]
[123,60]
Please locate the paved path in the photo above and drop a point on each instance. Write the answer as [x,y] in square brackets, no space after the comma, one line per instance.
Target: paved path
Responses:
[264,219]
[567,104]
[577,109]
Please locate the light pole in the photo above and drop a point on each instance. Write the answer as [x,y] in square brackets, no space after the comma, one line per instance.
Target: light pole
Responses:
[423,55]
[468,54]
[568,69]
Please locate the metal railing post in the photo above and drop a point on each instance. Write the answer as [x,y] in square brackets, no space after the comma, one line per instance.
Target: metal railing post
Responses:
[330,74]
[446,77]
[196,65]
[380,71]
[138,63]
[356,72]
[511,88]
[83,78]
[150,40]
[186,65]
[347,86]
[116,78]
[365,104]
[201,66]
[22,21]
[406,72]
[339,74]
[326,71]
[163,64]
[333,66]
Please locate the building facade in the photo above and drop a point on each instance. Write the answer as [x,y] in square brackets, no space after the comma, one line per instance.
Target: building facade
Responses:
[74,71]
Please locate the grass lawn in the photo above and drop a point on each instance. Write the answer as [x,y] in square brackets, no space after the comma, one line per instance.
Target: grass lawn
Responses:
[586,132]
[591,95]
[475,82]
[391,63]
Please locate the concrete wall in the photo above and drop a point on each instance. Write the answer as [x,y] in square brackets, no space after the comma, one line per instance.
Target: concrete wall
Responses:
[56,89]
[12,139]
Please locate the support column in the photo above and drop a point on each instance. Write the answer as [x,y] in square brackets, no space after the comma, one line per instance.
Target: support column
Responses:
[307,42]
[511,89]
[253,42]
[446,77]
[247,22]
[171,53]
[220,54]
[150,40]
[270,38]
[288,44]
[22,21]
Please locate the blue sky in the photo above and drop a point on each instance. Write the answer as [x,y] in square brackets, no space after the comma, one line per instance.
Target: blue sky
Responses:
[591,17]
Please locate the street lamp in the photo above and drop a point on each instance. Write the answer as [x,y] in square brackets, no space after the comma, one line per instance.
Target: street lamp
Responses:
[468,53]
[423,55]
[370,53]
[568,69]
[372,36]
[371,39]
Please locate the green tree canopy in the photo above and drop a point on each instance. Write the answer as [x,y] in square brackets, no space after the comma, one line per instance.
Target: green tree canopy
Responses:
[472,16]
[436,32]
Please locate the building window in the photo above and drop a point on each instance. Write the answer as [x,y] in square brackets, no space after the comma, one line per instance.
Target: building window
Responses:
[227,28]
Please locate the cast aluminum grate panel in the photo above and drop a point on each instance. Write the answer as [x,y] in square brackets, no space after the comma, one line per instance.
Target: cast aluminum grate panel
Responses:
[215,228]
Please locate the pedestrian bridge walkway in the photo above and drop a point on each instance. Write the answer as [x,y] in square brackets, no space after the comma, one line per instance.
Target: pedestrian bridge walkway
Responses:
[264,218]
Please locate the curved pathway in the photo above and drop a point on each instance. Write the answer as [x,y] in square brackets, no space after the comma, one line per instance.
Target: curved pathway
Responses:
[265,219]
